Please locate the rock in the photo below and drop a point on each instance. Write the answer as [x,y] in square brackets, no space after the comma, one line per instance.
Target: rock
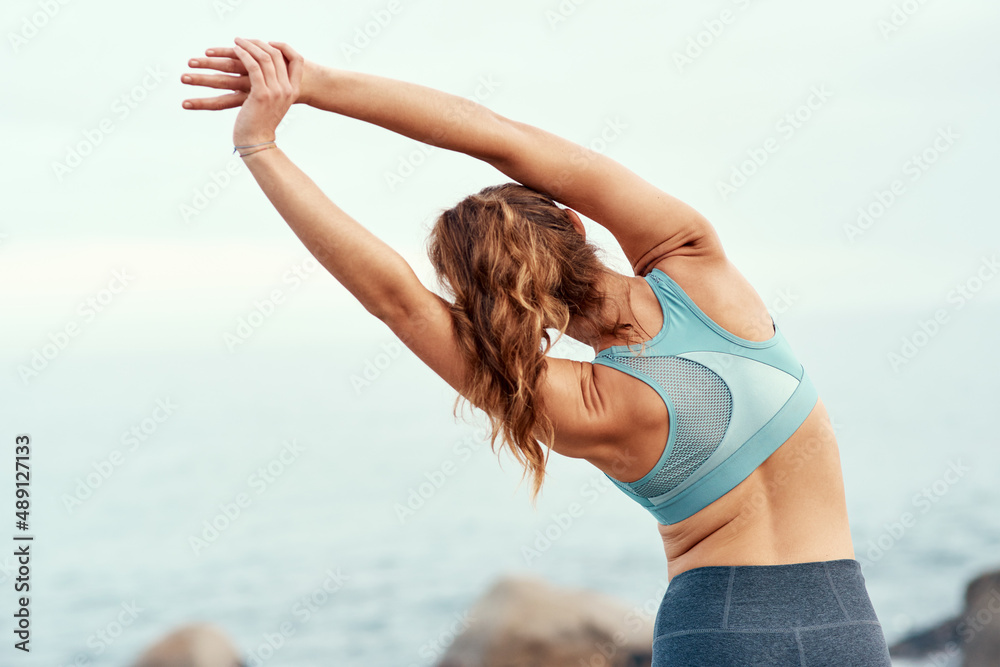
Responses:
[975,632]
[979,627]
[197,645]
[934,640]
[526,622]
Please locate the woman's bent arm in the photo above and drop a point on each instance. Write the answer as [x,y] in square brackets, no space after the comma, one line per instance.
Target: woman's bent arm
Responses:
[425,114]
[371,270]
[385,284]
[648,223]
[374,273]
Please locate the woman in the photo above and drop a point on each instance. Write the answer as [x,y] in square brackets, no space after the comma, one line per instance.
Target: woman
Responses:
[694,405]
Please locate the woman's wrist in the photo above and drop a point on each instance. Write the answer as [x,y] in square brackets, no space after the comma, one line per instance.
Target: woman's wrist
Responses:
[320,84]
[312,76]
[250,149]
[249,140]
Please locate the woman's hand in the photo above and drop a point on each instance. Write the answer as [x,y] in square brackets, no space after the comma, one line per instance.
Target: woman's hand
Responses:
[268,81]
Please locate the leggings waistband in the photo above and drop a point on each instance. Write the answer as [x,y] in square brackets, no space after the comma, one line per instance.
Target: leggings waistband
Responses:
[766,597]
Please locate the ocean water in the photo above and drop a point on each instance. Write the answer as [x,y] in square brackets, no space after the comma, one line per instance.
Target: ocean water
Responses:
[303,469]
[268,501]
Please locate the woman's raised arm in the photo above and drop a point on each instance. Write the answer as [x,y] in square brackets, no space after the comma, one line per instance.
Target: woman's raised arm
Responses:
[371,270]
[648,223]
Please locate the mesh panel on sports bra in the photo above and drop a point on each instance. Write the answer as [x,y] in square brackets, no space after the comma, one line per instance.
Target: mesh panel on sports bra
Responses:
[703,406]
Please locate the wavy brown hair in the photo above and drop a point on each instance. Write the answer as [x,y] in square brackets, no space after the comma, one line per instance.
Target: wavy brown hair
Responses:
[516,267]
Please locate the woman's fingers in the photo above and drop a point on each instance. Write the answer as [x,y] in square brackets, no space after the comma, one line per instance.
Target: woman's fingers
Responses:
[296,62]
[224,81]
[253,69]
[229,64]
[216,103]
[220,51]
[261,60]
[257,65]
[277,59]
[290,53]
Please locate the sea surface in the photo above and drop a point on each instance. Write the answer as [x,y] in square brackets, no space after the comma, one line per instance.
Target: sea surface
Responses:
[323,516]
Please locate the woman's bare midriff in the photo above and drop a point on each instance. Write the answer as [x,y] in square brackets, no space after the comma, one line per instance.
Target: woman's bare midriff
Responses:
[791,509]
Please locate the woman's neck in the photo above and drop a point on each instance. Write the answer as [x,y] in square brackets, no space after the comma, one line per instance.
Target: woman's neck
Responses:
[616,289]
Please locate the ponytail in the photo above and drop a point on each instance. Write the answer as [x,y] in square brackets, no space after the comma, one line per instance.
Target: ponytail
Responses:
[516,268]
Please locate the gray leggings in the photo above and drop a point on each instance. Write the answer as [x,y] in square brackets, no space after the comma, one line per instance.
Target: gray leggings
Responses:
[816,614]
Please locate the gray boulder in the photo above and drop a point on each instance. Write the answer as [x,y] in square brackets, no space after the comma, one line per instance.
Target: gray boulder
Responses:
[197,645]
[526,622]
[975,633]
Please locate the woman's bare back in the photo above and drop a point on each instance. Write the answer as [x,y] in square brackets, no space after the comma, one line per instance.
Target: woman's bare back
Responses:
[792,508]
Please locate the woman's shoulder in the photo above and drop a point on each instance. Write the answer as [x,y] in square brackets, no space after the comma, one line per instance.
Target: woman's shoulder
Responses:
[723,294]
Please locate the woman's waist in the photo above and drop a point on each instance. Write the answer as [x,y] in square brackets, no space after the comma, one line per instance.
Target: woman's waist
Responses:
[766,598]
[761,522]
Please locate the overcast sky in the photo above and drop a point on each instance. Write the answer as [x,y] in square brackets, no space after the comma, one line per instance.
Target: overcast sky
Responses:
[686,92]
[845,151]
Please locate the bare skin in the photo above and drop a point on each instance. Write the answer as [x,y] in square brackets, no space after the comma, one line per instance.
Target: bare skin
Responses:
[791,509]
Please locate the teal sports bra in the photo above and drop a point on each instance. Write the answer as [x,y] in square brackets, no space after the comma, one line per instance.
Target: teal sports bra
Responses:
[731,402]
